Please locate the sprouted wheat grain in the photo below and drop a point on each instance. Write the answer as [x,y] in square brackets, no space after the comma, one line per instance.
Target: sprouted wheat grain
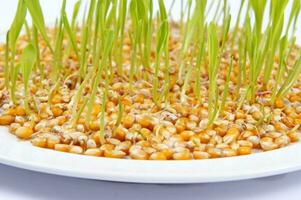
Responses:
[130,84]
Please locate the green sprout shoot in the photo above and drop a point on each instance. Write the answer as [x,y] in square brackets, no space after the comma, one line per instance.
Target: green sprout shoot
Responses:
[226,89]
[120,30]
[36,13]
[212,74]
[11,42]
[27,62]
[102,118]
[120,112]
[162,39]
[291,78]
[109,38]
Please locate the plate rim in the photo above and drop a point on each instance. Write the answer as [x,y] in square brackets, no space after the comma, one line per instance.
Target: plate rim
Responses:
[145,171]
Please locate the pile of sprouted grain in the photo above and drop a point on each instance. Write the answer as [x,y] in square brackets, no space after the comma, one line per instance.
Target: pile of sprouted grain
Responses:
[124,82]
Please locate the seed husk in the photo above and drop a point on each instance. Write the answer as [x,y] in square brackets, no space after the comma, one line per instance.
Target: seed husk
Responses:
[24,132]
[158,156]
[6,119]
[93,152]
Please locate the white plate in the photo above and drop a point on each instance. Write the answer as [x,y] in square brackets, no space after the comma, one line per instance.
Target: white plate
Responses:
[23,155]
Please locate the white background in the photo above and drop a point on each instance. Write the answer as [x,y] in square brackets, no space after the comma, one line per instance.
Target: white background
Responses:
[22,184]
[19,184]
